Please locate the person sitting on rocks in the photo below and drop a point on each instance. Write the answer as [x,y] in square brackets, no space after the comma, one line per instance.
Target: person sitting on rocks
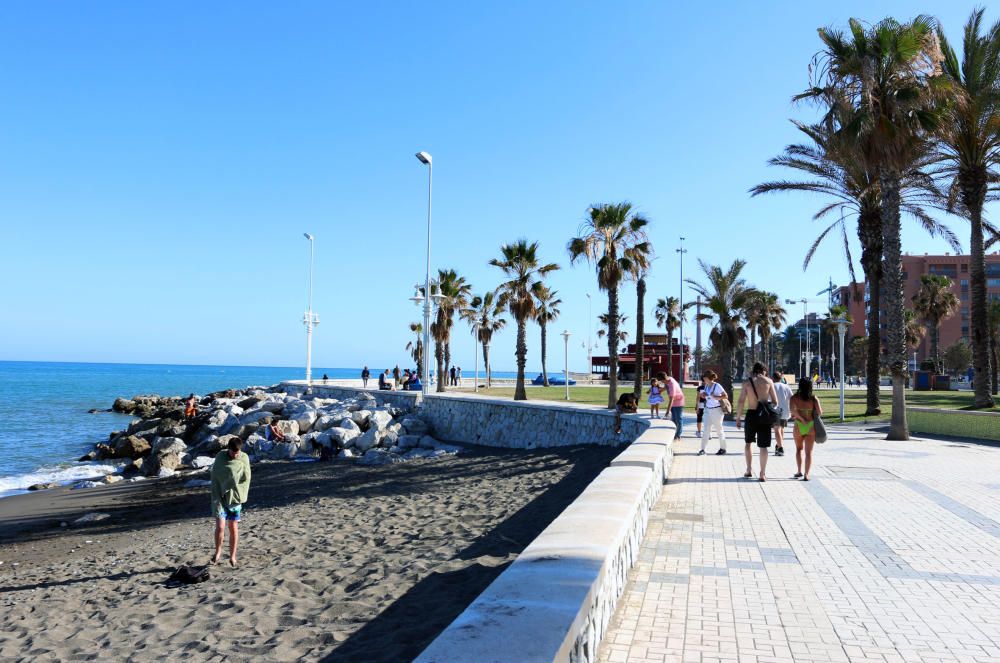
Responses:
[628,403]
[191,407]
[272,432]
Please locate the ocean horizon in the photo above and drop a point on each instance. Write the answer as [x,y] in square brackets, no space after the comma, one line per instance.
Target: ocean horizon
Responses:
[44,408]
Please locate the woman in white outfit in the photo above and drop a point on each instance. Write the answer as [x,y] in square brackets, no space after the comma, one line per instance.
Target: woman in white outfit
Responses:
[713,395]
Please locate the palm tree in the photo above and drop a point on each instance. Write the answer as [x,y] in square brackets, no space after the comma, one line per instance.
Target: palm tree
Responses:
[546,311]
[836,312]
[640,331]
[613,239]
[935,302]
[913,330]
[725,295]
[520,264]
[669,315]
[621,337]
[993,324]
[416,347]
[772,318]
[970,153]
[453,297]
[485,315]
[836,165]
[886,73]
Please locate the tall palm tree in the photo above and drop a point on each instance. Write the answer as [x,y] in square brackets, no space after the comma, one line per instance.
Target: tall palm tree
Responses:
[970,152]
[887,73]
[771,321]
[725,294]
[913,330]
[453,298]
[416,346]
[485,315]
[519,263]
[621,337]
[546,311]
[935,302]
[669,315]
[836,312]
[836,165]
[640,332]
[613,239]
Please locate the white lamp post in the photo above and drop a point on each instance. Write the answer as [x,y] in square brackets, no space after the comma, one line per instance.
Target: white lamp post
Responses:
[566,336]
[426,159]
[475,342]
[310,319]
[842,332]
[681,251]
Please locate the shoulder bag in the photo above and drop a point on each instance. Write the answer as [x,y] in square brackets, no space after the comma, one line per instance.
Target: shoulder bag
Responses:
[766,412]
[819,425]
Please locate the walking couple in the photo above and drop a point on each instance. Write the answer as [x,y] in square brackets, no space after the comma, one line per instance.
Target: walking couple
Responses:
[768,406]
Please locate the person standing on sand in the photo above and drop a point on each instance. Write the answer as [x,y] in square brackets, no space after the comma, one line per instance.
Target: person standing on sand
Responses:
[365,374]
[757,389]
[230,486]
[191,407]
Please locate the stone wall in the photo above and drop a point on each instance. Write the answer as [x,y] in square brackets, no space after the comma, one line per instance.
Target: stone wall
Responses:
[555,601]
[405,399]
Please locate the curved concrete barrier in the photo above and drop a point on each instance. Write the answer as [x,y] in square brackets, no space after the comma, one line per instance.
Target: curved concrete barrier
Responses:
[555,601]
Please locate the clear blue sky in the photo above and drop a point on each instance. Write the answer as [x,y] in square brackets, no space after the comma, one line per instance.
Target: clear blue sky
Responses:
[160,161]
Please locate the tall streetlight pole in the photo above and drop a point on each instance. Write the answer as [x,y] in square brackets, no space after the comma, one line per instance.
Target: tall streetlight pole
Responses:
[475,337]
[805,319]
[697,338]
[426,159]
[566,336]
[310,319]
[842,332]
[681,251]
[590,338]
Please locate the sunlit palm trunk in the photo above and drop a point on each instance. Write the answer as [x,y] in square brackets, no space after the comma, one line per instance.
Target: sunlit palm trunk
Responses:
[640,334]
[870,234]
[974,196]
[995,354]
[439,357]
[753,345]
[670,351]
[935,345]
[522,352]
[486,365]
[893,274]
[612,346]
[545,372]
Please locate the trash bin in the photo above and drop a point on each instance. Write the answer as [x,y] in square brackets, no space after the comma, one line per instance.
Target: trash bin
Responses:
[923,381]
[942,383]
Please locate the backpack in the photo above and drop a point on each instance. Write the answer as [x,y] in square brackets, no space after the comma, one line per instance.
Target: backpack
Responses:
[188,575]
[766,412]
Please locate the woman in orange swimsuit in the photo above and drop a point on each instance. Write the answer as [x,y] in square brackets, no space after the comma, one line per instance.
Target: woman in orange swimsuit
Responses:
[804,408]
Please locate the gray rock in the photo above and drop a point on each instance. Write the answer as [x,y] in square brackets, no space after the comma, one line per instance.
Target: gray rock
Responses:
[415,425]
[345,453]
[408,441]
[324,422]
[255,417]
[349,424]
[290,427]
[93,517]
[165,472]
[376,457]
[380,419]
[342,437]
[284,450]
[361,418]
[305,420]
[167,461]
[43,486]
[167,445]
[368,440]
[428,442]
[202,461]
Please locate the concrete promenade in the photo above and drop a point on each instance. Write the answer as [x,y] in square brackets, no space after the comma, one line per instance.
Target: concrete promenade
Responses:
[890,553]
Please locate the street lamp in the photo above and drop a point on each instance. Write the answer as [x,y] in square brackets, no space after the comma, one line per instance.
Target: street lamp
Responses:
[805,318]
[566,336]
[681,251]
[842,332]
[426,159]
[475,341]
[431,302]
[590,340]
[310,319]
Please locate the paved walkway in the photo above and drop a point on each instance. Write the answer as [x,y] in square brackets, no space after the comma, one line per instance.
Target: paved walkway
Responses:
[890,553]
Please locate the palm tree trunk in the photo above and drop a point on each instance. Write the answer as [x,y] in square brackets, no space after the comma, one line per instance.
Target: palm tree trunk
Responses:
[612,346]
[995,348]
[486,364]
[439,357]
[670,350]
[640,334]
[726,379]
[893,272]
[522,352]
[936,345]
[870,234]
[545,372]
[977,277]
[447,357]
[753,345]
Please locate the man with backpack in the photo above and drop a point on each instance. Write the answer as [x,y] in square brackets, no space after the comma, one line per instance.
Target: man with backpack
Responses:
[761,415]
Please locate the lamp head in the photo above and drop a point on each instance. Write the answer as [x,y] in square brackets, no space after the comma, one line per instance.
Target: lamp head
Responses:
[425,158]
[308,236]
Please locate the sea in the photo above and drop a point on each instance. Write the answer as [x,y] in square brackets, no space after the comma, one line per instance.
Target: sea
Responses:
[44,421]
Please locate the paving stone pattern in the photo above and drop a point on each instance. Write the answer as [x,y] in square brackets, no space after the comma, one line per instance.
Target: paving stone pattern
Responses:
[855,565]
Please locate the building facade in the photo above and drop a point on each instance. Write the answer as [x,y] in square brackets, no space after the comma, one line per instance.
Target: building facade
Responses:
[654,359]
[955,267]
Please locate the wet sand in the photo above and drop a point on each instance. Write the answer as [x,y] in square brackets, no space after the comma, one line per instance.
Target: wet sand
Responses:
[337,562]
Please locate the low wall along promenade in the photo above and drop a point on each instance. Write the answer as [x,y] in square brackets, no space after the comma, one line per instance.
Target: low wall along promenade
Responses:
[962,423]
[555,601]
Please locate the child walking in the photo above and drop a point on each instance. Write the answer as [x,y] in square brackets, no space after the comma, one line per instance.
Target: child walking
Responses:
[655,398]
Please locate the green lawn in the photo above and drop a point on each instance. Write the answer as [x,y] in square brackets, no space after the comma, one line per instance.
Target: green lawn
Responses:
[854,399]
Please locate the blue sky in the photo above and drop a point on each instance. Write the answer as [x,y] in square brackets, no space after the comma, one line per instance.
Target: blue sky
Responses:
[160,161]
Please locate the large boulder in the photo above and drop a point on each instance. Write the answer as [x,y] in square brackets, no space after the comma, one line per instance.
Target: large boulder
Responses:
[305,419]
[168,461]
[255,417]
[415,425]
[368,440]
[202,461]
[377,457]
[284,450]
[140,426]
[123,405]
[361,418]
[257,445]
[341,437]
[349,424]
[408,441]
[166,445]
[131,446]
[380,419]
[324,422]
[220,422]
[289,427]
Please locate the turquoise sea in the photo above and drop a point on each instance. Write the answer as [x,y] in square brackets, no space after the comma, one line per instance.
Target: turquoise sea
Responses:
[45,427]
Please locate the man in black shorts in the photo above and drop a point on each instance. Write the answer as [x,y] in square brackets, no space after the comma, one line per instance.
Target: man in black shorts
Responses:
[757,389]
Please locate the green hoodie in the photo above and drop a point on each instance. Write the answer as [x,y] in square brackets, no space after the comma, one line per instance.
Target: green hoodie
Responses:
[230,480]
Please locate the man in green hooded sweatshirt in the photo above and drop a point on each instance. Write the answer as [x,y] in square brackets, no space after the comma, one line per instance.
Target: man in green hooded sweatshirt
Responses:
[230,484]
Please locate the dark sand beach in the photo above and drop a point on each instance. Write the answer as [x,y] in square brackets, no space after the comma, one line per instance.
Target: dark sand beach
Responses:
[338,562]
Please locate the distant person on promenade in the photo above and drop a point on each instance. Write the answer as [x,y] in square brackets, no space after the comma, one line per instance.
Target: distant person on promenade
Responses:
[628,403]
[699,406]
[655,397]
[713,395]
[451,374]
[365,374]
[395,376]
[804,407]
[676,395]
[191,407]
[458,376]
[325,378]
[784,393]
[230,486]
[757,390]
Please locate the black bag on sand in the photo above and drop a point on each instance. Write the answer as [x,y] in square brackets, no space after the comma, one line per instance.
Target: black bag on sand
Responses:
[188,575]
